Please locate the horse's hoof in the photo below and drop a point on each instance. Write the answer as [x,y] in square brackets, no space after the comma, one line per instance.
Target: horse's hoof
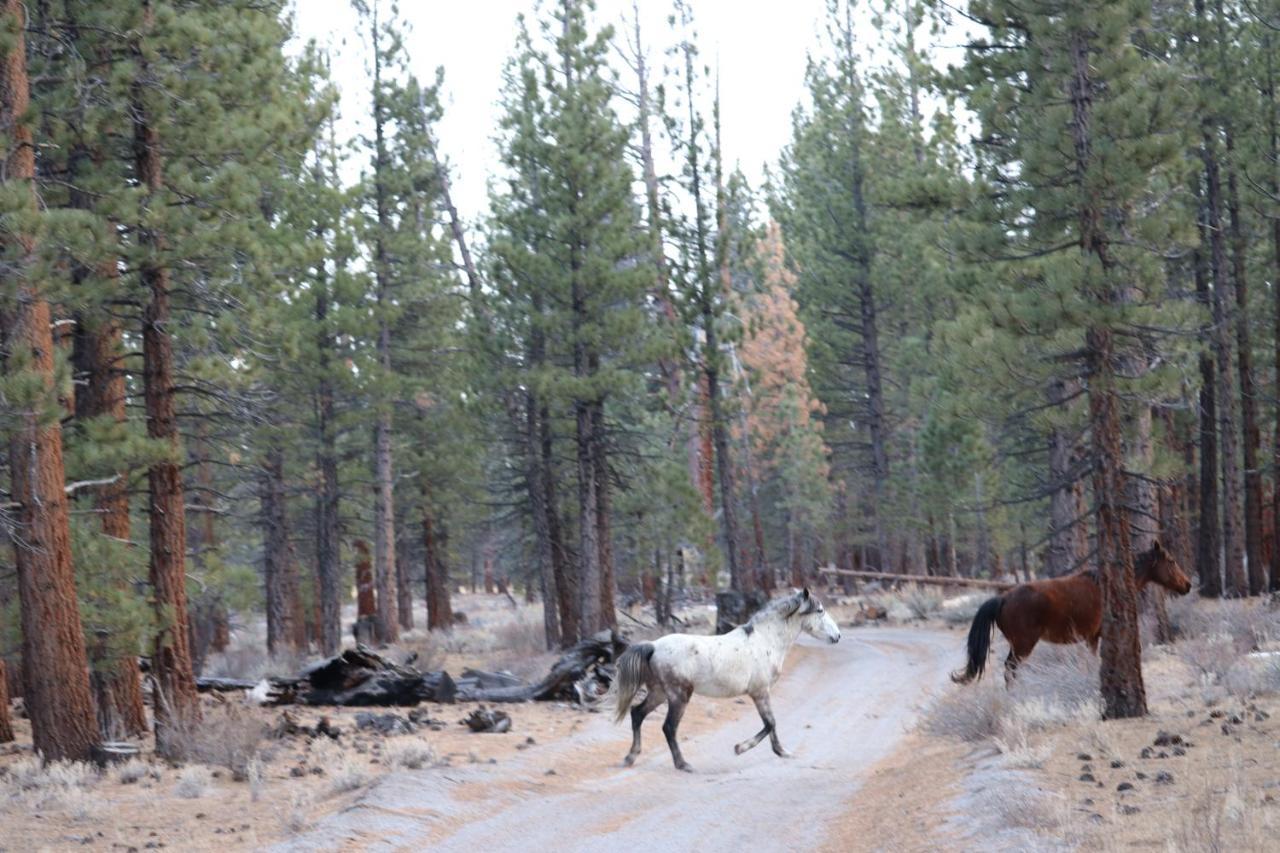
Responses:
[782,753]
[683,767]
[739,748]
[628,761]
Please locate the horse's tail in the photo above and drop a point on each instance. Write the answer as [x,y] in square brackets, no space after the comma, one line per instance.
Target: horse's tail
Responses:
[633,667]
[979,641]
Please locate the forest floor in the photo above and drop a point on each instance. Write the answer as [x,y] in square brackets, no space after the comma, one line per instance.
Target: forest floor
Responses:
[890,757]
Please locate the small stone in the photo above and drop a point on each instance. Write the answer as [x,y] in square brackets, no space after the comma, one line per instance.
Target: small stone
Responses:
[1127,809]
[317,771]
[1261,715]
[1217,713]
[1164,778]
[551,772]
[200,815]
[1087,801]
[1162,754]
[1084,756]
[1116,764]
[1087,777]
[1124,786]
[1086,767]
[1177,750]
[1140,776]
[1097,818]
[297,772]
[1146,752]
[1164,738]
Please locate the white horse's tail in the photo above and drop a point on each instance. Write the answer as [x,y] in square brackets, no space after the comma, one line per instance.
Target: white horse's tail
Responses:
[633,668]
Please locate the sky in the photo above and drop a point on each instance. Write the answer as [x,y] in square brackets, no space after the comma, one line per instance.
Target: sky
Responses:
[760,48]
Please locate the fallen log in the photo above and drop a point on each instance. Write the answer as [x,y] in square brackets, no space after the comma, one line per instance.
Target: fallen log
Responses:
[579,672]
[268,691]
[359,677]
[980,583]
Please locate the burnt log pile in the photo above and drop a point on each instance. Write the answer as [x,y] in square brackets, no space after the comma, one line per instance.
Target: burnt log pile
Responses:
[360,677]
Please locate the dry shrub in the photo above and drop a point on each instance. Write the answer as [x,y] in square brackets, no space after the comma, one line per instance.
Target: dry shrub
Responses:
[521,636]
[970,713]
[132,771]
[1248,623]
[1062,676]
[347,774]
[193,783]
[252,663]
[923,601]
[298,817]
[429,646]
[1014,743]
[1209,657]
[960,611]
[227,736]
[1222,819]
[410,754]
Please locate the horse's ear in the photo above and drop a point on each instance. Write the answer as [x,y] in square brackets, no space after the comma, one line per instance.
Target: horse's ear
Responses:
[805,594]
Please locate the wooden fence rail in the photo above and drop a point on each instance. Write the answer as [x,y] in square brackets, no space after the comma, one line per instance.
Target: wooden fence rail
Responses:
[980,583]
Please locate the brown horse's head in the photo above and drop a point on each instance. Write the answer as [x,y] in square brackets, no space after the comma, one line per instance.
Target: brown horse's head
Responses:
[1158,566]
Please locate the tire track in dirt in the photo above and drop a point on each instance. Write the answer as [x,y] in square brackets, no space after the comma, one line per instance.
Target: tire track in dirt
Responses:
[840,708]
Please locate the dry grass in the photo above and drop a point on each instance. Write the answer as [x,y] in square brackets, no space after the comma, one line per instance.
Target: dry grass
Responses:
[227,736]
[410,754]
[923,601]
[193,783]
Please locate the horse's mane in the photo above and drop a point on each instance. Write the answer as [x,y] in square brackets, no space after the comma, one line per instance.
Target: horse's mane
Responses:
[778,608]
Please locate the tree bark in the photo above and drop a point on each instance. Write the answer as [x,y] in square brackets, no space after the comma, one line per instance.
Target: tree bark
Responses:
[6,724]
[1273,133]
[327,506]
[439,606]
[1123,692]
[285,627]
[604,522]
[1209,529]
[384,535]
[56,690]
[177,704]
[1062,556]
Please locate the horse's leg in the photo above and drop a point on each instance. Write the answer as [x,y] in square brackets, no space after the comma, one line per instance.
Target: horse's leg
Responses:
[638,713]
[770,727]
[1018,652]
[677,699]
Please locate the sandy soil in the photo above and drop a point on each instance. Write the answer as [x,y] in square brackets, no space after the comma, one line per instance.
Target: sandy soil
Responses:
[842,709]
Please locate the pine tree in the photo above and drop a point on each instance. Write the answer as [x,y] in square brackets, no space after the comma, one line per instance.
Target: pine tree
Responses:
[56,687]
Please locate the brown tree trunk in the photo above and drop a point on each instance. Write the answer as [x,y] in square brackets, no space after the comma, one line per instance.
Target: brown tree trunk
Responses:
[284,616]
[56,692]
[604,523]
[1062,556]
[1251,439]
[1209,529]
[557,601]
[6,725]
[176,704]
[1273,133]
[1123,693]
[366,600]
[115,678]
[1236,581]
[404,595]
[439,606]
[328,539]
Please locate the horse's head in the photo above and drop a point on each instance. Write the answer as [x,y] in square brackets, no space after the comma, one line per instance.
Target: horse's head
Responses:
[814,619]
[1163,569]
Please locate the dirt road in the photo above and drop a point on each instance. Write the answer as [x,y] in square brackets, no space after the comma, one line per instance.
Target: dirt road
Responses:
[840,709]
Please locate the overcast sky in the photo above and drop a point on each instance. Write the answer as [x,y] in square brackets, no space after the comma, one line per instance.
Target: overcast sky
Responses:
[760,47]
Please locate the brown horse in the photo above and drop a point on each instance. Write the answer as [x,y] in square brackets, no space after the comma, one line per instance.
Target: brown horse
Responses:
[1061,610]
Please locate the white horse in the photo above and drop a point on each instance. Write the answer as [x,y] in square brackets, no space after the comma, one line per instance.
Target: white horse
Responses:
[747,660]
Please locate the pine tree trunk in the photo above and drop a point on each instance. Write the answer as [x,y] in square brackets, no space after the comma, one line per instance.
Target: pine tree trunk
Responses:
[1209,529]
[604,522]
[439,606]
[1273,129]
[555,602]
[366,595]
[1062,557]
[404,594]
[1224,386]
[1123,693]
[327,506]
[56,693]
[284,614]
[116,679]
[176,704]
[590,586]
[1251,439]
[6,724]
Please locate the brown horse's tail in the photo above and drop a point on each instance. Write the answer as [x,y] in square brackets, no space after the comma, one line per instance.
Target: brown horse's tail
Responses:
[984,622]
[633,668]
